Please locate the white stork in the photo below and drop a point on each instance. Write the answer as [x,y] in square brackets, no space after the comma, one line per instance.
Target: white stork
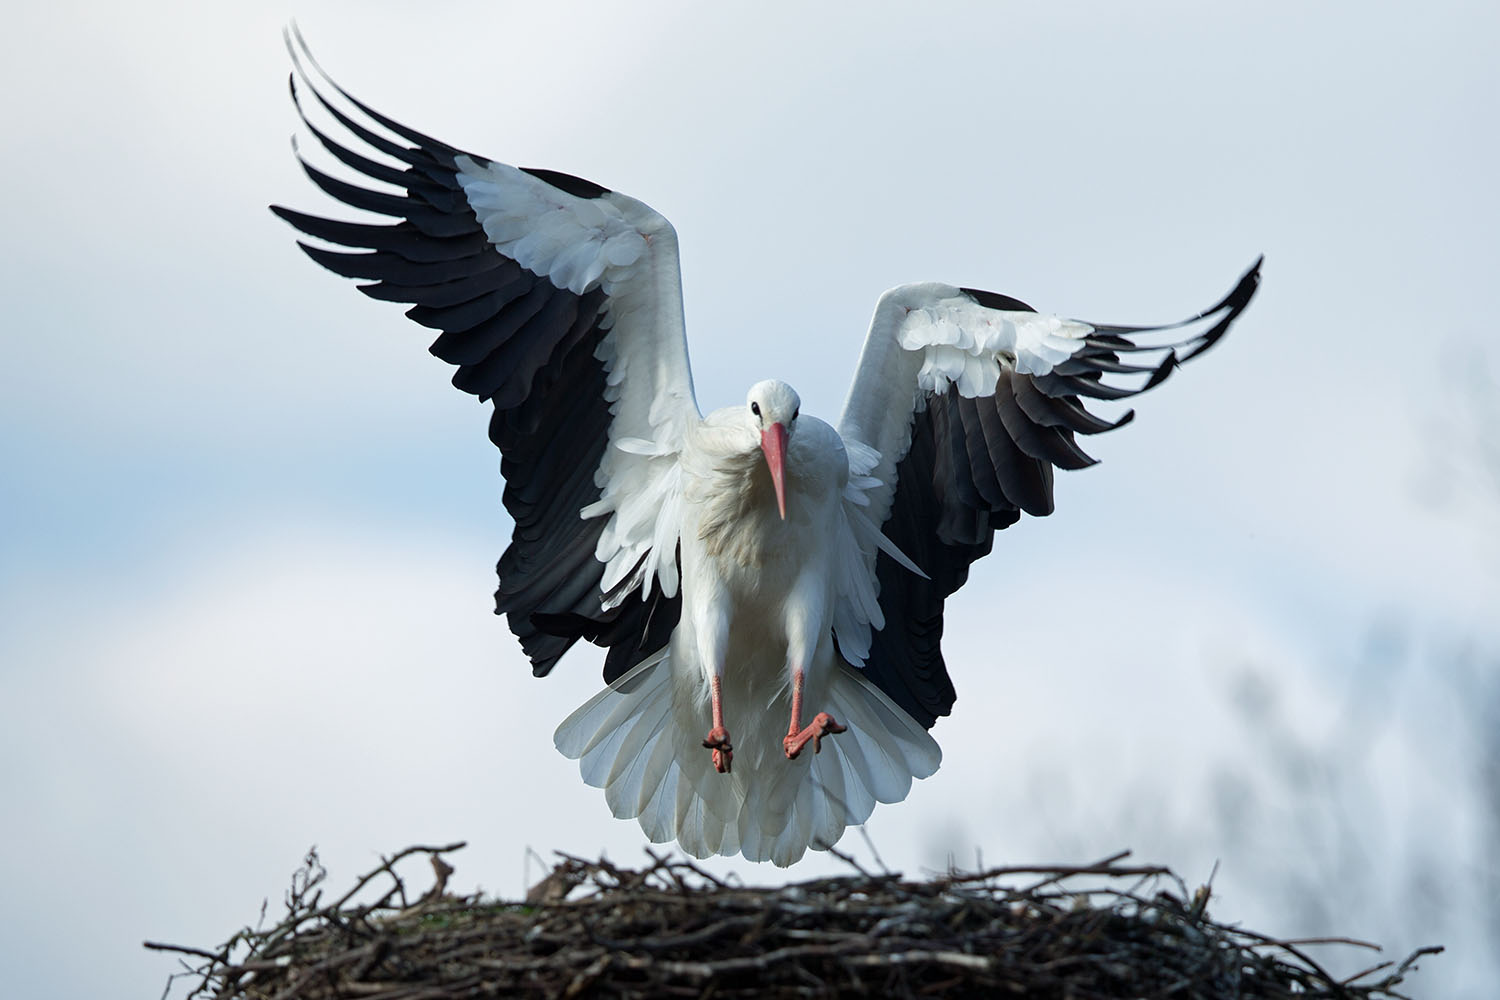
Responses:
[761,579]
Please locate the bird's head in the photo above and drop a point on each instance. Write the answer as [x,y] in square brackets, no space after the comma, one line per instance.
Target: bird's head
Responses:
[771,407]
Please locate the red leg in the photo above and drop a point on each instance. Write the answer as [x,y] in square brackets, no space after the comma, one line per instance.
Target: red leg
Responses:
[717,739]
[797,737]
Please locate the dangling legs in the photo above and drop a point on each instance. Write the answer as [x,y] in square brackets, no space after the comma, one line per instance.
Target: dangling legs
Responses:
[804,631]
[717,739]
[822,724]
[713,641]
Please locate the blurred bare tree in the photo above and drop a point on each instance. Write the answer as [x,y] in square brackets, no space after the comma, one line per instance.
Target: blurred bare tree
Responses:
[1393,809]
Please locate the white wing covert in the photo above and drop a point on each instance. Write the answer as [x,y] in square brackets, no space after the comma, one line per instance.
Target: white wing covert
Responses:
[547,289]
[968,400]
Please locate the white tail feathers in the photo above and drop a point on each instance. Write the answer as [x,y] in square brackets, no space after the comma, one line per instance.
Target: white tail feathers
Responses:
[640,739]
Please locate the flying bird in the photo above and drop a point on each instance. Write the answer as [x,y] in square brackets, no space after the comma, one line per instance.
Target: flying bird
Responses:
[768,587]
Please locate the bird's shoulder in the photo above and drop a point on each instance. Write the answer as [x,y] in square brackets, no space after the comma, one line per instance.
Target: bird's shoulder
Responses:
[819,440]
[816,451]
[722,432]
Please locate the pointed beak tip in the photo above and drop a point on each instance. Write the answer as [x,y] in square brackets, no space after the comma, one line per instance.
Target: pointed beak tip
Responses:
[773,444]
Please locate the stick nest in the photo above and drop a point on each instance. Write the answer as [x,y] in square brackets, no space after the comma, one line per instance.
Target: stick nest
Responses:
[593,929]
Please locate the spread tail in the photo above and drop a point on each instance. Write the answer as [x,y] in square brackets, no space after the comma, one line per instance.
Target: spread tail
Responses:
[640,739]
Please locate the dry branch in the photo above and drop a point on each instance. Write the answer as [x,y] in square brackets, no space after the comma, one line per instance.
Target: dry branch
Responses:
[593,929]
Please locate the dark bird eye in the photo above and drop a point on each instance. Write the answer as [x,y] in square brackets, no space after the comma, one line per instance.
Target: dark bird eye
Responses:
[795,412]
[755,408]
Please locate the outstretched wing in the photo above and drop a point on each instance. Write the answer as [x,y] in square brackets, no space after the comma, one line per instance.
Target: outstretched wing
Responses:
[548,291]
[969,399]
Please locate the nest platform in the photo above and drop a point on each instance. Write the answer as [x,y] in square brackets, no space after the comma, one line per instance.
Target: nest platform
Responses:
[672,929]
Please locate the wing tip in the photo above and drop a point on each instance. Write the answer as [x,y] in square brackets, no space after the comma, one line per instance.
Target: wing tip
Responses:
[578,187]
[996,300]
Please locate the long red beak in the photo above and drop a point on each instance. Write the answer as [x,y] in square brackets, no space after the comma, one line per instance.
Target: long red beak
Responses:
[773,443]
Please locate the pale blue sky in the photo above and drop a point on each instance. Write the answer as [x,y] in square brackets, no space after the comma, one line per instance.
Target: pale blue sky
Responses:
[250,532]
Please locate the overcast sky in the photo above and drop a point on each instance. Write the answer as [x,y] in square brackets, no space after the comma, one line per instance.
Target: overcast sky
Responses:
[249,532]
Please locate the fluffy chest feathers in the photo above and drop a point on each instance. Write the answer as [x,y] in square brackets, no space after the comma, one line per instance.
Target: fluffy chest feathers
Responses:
[736,503]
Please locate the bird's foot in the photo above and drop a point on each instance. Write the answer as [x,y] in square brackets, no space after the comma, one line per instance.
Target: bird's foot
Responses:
[822,725]
[717,740]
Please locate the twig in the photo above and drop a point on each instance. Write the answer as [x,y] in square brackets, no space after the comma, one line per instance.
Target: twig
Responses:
[385,868]
[213,956]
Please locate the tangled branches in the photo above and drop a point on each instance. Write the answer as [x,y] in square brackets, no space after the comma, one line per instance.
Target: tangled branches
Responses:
[592,929]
